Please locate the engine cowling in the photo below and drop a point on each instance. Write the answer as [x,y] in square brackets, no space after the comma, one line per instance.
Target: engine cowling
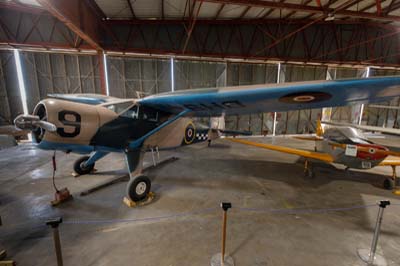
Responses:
[74,123]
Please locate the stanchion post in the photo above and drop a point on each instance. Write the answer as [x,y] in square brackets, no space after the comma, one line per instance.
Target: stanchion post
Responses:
[220,259]
[54,223]
[382,206]
[225,207]
[369,256]
[3,253]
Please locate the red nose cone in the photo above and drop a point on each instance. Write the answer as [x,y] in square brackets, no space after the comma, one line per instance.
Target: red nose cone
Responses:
[371,151]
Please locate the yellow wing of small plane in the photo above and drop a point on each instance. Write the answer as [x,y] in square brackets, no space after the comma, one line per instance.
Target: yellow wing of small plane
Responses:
[390,161]
[304,153]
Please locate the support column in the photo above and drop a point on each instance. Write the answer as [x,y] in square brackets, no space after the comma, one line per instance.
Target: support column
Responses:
[101,57]
[327,111]
[357,110]
[172,74]
[278,80]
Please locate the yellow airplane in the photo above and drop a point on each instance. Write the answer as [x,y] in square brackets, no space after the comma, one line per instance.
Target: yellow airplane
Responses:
[342,145]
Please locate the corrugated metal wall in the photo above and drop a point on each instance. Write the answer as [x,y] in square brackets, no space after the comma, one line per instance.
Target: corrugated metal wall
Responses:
[130,77]
[10,100]
[46,73]
[383,117]
[198,74]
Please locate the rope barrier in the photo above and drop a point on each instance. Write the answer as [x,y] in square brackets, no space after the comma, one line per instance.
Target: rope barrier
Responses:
[40,220]
[296,211]
[147,219]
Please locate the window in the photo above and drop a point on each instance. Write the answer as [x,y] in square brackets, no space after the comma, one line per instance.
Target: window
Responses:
[132,112]
[119,107]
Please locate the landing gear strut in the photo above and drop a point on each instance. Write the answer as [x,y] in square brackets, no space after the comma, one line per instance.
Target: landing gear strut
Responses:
[390,183]
[308,171]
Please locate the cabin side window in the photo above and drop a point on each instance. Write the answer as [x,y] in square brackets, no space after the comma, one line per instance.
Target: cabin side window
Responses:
[119,107]
[150,115]
[132,112]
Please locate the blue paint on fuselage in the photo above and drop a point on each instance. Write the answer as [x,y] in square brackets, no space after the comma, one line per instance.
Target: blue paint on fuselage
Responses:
[76,148]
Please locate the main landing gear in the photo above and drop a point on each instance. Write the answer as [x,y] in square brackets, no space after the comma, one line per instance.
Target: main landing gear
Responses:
[85,164]
[390,183]
[308,170]
[138,188]
[80,166]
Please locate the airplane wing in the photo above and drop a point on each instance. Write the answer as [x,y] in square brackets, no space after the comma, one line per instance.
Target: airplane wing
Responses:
[304,153]
[87,98]
[390,161]
[391,131]
[275,97]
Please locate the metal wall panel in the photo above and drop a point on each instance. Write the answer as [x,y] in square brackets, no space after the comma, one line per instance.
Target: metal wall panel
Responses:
[198,74]
[10,99]
[129,77]
[383,117]
[46,73]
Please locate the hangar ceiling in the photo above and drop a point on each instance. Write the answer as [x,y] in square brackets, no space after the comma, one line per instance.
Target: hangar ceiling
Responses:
[355,32]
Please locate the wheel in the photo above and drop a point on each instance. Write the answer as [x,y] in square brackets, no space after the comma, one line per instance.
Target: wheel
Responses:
[388,184]
[79,167]
[138,188]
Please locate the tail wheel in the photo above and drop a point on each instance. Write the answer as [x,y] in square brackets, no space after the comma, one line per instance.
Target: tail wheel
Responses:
[80,167]
[138,188]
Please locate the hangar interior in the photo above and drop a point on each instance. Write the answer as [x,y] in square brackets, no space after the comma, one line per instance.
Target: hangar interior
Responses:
[134,49]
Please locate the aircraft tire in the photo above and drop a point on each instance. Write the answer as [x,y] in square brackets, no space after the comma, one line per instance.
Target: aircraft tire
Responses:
[138,188]
[388,184]
[80,169]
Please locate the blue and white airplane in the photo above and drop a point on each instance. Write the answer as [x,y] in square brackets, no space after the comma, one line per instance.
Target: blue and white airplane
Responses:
[97,125]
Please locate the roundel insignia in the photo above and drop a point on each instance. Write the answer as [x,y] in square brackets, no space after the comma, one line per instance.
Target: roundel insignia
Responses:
[305,97]
[190,133]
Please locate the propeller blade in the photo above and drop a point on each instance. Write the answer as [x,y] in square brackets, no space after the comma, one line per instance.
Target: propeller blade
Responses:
[45,125]
[32,122]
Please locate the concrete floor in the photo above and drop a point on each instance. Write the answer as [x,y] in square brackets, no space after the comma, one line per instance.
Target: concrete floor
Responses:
[202,178]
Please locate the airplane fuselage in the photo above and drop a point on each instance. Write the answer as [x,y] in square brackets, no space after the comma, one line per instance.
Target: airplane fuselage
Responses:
[349,147]
[110,127]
